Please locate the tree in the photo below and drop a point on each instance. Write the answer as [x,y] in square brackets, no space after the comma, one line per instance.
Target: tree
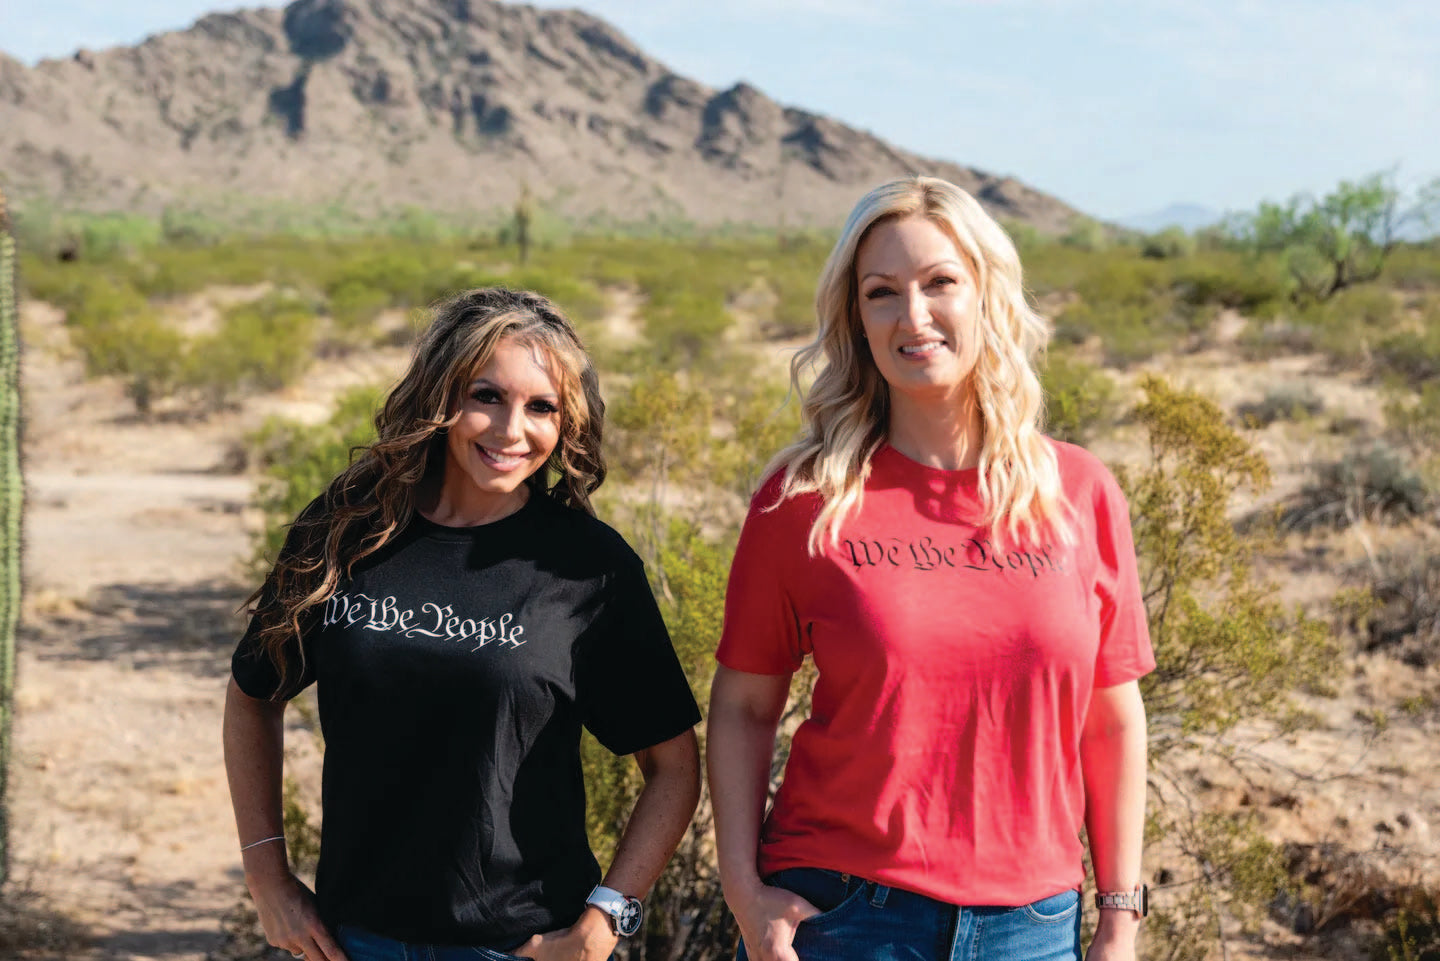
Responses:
[1343,238]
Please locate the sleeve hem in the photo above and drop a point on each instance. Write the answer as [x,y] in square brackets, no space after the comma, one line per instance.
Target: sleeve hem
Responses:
[755,667]
[1115,678]
[628,747]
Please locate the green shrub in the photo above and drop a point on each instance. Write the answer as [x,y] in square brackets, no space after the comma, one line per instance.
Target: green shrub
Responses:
[1405,622]
[1079,399]
[1412,933]
[1249,284]
[1285,402]
[1374,484]
[1415,421]
[1227,651]
[118,333]
[1414,266]
[1414,355]
[1168,244]
[299,461]
[262,345]
[354,307]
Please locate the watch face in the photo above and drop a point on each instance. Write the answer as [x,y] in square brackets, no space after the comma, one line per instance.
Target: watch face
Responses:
[629,920]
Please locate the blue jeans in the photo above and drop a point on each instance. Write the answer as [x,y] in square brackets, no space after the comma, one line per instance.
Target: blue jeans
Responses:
[865,921]
[361,945]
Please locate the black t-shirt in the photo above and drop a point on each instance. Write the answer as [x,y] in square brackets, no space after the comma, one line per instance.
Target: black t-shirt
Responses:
[455,669]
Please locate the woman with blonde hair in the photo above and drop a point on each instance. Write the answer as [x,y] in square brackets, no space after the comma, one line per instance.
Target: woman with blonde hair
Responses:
[967,588]
[463,615]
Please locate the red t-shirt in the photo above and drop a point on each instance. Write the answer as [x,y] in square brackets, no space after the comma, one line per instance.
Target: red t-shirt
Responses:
[942,751]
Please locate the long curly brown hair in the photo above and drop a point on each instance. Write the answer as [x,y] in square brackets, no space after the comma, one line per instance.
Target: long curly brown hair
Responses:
[376,496]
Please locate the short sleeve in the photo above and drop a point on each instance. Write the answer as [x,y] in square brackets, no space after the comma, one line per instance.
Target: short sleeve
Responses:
[1125,651]
[254,671]
[762,632]
[633,691]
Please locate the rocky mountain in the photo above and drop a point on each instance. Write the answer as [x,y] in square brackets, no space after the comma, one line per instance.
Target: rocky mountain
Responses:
[444,104]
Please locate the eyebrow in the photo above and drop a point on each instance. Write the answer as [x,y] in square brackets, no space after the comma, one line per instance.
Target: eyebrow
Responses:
[885,276]
[485,381]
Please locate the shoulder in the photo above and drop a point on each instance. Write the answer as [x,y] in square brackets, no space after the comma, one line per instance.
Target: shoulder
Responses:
[1083,475]
[771,508]
[569,529]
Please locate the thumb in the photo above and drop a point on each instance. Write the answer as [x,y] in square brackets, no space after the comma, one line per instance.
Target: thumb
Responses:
[528,949]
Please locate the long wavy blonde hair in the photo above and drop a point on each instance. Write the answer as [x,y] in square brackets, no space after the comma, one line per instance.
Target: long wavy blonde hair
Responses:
[846,410]
[374,498]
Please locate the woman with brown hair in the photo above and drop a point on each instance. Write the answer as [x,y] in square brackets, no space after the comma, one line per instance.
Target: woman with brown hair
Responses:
[463,615]
[967,588]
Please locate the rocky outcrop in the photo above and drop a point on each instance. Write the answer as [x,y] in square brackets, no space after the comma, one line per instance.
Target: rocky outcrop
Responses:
[445,104]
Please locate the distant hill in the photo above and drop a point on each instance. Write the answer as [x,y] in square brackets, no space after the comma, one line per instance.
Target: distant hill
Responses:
[443,104]
[1184,216]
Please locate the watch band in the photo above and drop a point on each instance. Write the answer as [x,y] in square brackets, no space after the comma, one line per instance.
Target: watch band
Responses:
[625,913]
[1137,901]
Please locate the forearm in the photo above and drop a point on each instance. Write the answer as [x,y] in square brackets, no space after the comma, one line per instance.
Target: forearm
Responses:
[739,747]
[1113,757]
[254,740]
[660,817]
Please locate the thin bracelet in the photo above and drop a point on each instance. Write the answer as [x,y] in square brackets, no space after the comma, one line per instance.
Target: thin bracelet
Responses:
[256,844]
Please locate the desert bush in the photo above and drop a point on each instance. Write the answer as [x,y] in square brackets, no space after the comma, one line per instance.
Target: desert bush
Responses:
[1251,284]
[1226,651]
[302,834]
[1087,234]
[1414,266]
[1413,355]
[261,345]
[1373,484]
[118,333]
[1405,621]
[1285,402]
[1415,421]
[1168,244]
[1348,326]
[298,461]
[1412,933]
[1128,333]
[1079,398]
[354,305]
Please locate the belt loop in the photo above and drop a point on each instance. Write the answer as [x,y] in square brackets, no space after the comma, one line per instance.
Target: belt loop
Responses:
[878,896]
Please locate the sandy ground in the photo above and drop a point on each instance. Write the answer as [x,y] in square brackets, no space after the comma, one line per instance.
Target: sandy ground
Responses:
[137,534]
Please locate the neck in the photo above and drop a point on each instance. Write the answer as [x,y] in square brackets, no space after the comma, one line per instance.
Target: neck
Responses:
[944,433]
[472,508]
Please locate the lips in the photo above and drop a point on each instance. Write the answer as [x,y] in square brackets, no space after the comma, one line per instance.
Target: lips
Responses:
[921,349]
[501,460]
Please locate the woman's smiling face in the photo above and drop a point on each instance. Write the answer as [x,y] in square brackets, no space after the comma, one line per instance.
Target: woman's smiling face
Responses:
[919,308]
[509,424]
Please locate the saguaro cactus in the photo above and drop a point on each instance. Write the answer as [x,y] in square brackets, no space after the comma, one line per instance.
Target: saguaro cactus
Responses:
[11,499]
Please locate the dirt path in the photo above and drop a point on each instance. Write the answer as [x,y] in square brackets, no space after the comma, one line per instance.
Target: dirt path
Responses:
[133,533]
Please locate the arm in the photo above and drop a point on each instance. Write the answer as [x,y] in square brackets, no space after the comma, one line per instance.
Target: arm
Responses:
[657,823]
[254,736]
[1113,758]
[745,710]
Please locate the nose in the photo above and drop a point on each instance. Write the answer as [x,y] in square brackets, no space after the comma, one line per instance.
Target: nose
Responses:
[916,311]
[512,425]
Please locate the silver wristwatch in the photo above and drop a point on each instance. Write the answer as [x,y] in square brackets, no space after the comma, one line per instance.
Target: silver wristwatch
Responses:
[1137,901]
[625,913]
